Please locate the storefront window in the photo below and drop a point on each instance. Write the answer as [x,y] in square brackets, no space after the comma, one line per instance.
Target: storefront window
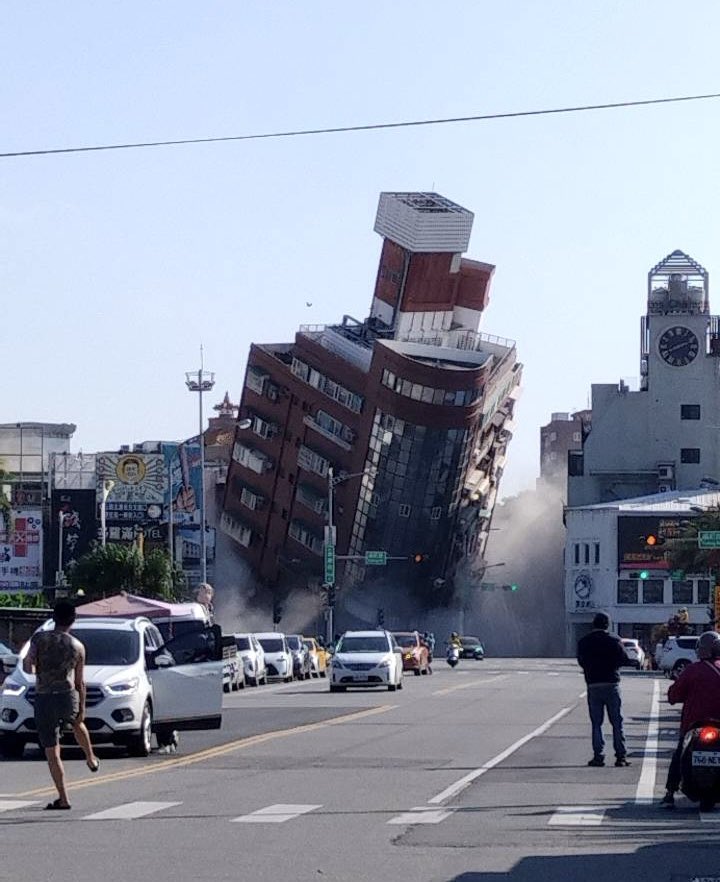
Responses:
[703,591]
[653,591]
[682,592]
[627,591]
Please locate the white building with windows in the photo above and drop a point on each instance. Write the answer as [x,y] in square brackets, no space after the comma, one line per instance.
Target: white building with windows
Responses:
[610,567]
[665,435]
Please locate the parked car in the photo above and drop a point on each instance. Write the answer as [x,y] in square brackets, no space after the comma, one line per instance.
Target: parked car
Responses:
[318,657]
[8,660]
[366,658]
[136,685]
[278,657]
[472,648]
[415,654]
[233,668]
[677,654]
[253,658]
[634,652]
[302,666]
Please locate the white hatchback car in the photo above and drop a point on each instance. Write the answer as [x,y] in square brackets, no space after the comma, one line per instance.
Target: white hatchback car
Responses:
[278,657]
[136,685]
[677,654]
[634,652]
[366,658]
[253,657]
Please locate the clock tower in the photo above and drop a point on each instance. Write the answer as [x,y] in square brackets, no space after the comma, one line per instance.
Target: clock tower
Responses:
[678,328]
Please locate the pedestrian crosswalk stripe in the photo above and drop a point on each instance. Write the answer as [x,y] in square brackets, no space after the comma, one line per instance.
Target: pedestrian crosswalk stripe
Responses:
[9,805]
[577,816]
[709,818]
[130,810]
[422,814]
[275,814]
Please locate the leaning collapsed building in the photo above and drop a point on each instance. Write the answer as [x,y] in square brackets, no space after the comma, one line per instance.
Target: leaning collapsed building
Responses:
[399,422]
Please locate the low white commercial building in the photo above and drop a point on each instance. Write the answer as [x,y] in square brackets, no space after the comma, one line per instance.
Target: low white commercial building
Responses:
[609,566]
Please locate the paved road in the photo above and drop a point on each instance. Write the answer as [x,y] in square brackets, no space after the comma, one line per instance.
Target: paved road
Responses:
[470,775]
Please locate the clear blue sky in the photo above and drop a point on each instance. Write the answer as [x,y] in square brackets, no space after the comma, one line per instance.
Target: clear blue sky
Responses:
[115,266]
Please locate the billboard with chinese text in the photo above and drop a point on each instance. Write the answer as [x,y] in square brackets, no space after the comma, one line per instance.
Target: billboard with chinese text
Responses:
[21,551]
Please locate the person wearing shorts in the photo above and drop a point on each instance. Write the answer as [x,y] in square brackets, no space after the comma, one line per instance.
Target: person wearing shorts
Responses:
[58,661]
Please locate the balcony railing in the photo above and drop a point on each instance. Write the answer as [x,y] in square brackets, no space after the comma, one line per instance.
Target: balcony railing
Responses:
[326,433]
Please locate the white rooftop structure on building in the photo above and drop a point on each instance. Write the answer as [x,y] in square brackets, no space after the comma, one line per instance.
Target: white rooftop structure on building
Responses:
[424,222]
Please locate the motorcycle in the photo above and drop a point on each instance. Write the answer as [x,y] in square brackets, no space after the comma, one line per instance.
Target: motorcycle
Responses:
[700,764]
[452,656]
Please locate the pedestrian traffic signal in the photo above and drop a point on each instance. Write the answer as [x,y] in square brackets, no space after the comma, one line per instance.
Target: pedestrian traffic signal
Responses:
[381,616]
[277,613]
[514,586]
[639,574]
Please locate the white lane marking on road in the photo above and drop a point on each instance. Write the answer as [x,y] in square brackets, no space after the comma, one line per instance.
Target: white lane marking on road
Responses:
[553,673]
[494,679]
[9,805]
[466,780]
[276,814]
[421,814]
[645,792]
[130,810]
[707,818]
[577,816]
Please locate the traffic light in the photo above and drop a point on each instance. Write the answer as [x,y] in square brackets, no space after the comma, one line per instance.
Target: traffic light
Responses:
[639,574]
[514,586]
[654,541]
[380,617]
[419,557]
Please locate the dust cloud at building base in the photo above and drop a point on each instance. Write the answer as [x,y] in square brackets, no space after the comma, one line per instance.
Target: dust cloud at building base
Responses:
[528,536]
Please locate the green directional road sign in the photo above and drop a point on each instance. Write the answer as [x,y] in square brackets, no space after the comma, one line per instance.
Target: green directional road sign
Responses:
[329,564]
[375,558]
[709,539]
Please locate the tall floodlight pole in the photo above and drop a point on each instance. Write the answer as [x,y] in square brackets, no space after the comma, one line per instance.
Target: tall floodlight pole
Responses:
[201,381]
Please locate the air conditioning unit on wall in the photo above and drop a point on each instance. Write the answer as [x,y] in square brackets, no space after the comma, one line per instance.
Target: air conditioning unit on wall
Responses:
[666,471]
[665,488]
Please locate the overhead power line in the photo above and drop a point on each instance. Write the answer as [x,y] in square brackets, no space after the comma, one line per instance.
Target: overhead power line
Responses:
[334,130]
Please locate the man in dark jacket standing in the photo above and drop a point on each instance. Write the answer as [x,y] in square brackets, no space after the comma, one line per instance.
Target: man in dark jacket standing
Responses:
[600,655]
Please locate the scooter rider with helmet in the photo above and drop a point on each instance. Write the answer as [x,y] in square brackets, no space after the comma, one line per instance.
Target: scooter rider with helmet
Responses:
[455,640]
[698,690]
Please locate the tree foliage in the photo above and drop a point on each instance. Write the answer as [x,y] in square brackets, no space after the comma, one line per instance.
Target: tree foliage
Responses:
[683,553]
[106,570]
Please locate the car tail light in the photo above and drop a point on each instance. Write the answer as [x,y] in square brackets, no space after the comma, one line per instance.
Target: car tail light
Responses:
[708,734]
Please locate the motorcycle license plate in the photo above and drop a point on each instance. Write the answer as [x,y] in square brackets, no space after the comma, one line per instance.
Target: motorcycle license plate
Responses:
[706,758]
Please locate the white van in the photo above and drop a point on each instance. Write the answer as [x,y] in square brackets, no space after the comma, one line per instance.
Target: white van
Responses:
[137,684]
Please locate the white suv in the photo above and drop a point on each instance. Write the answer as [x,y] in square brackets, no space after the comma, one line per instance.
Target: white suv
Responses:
[136,685]
[366,658]
[677,654]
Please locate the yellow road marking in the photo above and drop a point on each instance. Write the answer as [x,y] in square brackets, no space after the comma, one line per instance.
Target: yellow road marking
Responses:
[472,683]
[212,752]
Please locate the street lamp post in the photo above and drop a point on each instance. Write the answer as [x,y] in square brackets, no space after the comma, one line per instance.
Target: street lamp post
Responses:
[201,381]
[330,540]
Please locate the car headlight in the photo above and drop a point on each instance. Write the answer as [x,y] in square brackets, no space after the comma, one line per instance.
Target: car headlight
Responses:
[385,664]
[14,689]
[248,664]
[127,687]
[336,663]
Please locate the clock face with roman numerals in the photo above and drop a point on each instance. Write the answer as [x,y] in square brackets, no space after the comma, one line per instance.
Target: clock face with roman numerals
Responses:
[678,346]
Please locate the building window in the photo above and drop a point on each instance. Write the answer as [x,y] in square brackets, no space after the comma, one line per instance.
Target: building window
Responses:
[627,591]
[653,591]
[689,411]
[703,591]
[690,454]
[553,436]
[404,511]
[302,534]
[577,554]
[597,553]
[312,462]
[587,554]
[436,513]
[682,592]
[577,436]
[249,499]
[256,379]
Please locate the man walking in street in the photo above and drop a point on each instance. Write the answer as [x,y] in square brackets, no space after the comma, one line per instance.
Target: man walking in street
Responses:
[58,661]
[600,655]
